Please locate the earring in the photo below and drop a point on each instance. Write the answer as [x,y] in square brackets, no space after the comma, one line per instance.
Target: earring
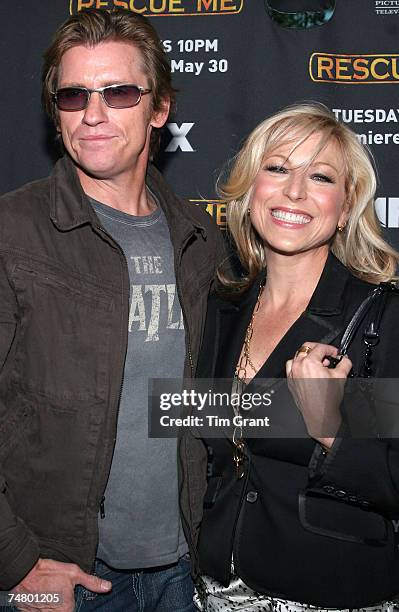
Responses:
[248,211]
[341,228]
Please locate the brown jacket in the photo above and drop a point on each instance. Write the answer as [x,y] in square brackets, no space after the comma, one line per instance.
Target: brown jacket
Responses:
[64,290]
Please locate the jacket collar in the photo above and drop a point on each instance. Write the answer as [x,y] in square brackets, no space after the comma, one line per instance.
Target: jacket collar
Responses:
[328,297]
[322,321]
[70,207]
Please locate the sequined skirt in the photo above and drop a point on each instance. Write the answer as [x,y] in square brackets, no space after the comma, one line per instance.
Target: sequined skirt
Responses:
[211,596]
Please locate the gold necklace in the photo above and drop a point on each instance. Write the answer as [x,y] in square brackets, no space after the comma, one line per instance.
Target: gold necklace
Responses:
[240,377]
[245,360]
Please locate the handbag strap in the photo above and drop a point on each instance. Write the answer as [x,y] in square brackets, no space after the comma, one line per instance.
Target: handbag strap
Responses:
[372,307]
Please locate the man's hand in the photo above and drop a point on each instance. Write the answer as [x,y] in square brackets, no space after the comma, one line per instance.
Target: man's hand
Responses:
[317,389]
[49,576]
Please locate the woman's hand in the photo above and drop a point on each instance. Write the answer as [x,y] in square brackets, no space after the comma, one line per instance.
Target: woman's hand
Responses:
[317,389]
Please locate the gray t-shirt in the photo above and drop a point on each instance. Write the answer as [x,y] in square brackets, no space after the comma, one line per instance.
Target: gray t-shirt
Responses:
[141,527]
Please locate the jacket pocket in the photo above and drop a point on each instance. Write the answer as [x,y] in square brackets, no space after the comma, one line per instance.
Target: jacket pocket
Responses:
[63,337]
[49,468]
[342,521]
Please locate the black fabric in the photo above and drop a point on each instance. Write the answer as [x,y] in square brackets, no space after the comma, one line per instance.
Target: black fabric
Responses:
[321,535]
[256,67]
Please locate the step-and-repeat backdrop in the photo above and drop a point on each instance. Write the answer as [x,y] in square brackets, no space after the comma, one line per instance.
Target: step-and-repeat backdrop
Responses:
[234,62]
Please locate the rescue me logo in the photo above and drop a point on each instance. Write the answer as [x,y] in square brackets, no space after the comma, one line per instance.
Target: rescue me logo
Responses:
[354,69]
[161,8]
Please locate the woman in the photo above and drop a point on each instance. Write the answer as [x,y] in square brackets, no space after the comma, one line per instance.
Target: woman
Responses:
[297,522]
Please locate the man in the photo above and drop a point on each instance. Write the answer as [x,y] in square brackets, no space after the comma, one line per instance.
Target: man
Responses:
[100,266]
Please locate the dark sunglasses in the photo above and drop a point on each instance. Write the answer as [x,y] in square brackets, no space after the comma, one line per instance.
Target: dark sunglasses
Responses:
[115,96]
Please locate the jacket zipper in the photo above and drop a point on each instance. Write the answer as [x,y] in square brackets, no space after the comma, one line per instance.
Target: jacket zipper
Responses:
[102,509]
[186,524]
[187,531]
[186,327]
[123,259]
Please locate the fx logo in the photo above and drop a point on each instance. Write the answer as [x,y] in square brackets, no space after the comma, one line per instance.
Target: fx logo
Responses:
[179,140]
[387,210]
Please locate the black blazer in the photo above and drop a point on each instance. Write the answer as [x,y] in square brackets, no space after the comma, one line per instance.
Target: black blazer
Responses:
[304,527]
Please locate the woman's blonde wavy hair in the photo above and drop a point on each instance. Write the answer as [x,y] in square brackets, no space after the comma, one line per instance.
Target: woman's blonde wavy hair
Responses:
[360,247]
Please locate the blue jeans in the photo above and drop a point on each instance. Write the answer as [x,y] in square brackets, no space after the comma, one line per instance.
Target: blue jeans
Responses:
[168,589]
